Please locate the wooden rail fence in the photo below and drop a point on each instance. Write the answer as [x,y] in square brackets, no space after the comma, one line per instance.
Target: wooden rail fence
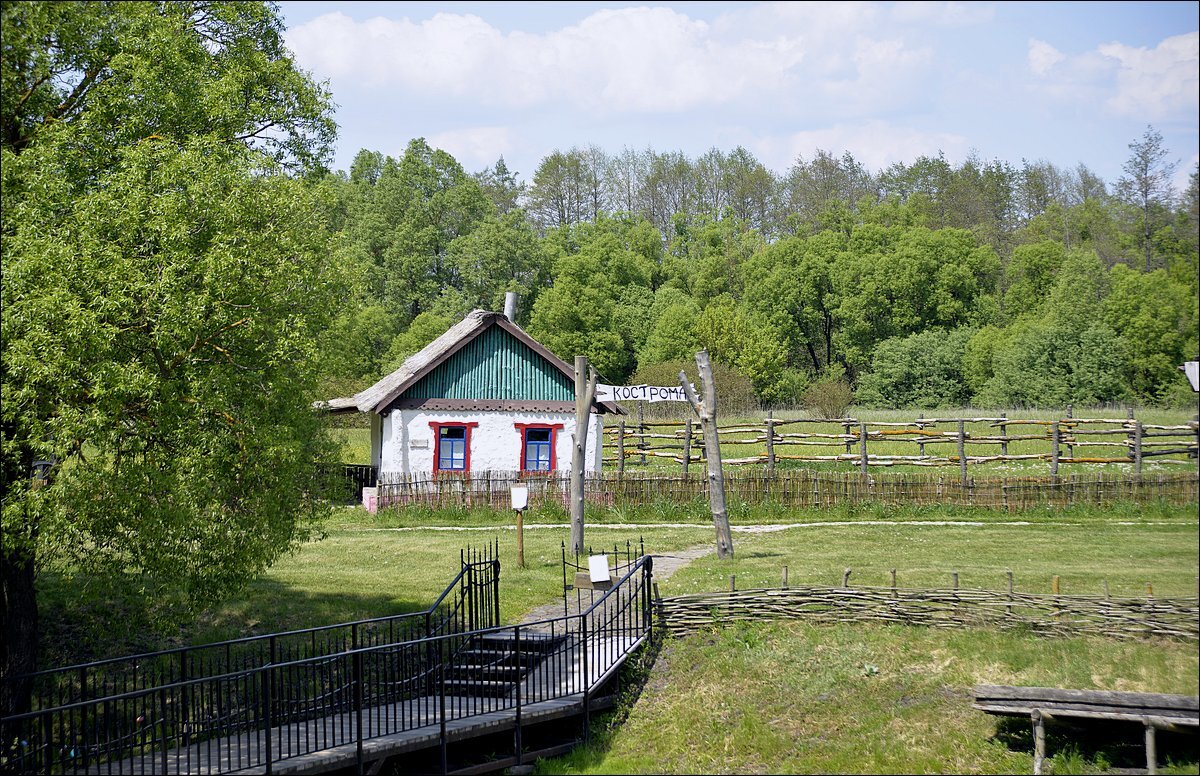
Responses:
[1057,615]
[924,442]
[796,488]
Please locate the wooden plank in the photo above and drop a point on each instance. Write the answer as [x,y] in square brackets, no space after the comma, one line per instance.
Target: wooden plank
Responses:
[1094,697]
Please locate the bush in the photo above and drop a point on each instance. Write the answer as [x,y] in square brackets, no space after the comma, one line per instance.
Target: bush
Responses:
[735,392]
[829,397]
[923,370]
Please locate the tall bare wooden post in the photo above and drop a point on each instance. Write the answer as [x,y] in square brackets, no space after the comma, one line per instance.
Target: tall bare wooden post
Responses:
[707,410]
[770,442]
[585,395]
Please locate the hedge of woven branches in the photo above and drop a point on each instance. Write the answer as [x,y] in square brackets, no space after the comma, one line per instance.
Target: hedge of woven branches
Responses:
[1060,615]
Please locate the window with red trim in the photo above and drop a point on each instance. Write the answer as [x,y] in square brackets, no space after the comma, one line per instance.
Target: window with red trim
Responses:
[452,442]
[538,446]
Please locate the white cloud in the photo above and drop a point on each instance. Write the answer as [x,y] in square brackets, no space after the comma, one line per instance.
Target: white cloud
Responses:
[950,14]
[875,144]
[1043,57]
[1155,83]
[475,147]
[637,60]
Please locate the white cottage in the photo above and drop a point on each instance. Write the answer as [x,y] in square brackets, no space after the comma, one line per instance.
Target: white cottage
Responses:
[484,396]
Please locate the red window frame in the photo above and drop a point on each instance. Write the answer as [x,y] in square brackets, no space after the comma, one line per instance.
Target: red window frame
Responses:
[553,428]
[436,427]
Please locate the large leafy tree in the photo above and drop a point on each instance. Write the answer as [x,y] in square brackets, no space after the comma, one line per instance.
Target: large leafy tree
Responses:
[163,282]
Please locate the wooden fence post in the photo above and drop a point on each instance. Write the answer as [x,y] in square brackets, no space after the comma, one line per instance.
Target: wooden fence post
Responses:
[1054,440]
[621,450]
[894,584]
[641,434]
[1070,415]
[770,442]
[1137,447]
[785,576]
[962,453]
[687,444]
[1004,435]
[1010,592]
[862,446]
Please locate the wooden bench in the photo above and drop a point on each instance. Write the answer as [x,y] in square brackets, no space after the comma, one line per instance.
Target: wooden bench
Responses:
[1154,711]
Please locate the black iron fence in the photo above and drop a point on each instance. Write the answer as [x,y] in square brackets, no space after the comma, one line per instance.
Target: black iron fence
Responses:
[110,710]
[285,698]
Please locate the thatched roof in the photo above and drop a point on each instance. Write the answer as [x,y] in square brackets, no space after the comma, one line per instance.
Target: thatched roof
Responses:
[379,396]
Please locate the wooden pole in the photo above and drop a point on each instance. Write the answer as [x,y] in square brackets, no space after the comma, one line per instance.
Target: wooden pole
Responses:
[641,434]
[921,445]
[585,394]
[962,453]
[707,410]
[521,538]
[862,446]
[1070,414]
[1039,741]
[1055,436]
[1137,447]
[770,442]
[1004,435]
[687,444]
[621,449]
[1151,749]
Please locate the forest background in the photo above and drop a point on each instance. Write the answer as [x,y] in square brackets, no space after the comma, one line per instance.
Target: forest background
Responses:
[989,283]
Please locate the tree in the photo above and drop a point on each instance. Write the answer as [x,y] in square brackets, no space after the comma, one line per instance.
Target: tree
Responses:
[163,285]
[1146,185]
[922,370]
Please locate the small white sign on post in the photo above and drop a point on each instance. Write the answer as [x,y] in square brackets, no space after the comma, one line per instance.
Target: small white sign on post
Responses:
[520,496]
[598,568]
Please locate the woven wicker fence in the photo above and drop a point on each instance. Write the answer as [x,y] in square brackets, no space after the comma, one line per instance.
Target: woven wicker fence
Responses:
[1059,615]
[796,488]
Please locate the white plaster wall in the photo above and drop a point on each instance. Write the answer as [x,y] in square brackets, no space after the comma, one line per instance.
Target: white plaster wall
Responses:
[406,442]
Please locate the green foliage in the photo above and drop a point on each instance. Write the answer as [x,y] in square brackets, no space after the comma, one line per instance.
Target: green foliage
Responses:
[1156,319]
[424,329]
[164,286]
[923,370]
[735,393]
[830,396]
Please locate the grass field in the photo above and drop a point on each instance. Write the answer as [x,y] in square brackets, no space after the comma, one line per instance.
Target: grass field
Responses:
[786,697]
[797,698]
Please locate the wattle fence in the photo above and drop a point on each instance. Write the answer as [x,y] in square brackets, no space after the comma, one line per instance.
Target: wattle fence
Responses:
[1047,615]
[794,488]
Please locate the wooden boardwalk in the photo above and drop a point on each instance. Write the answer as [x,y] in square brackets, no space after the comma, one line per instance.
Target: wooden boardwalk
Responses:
[554,689]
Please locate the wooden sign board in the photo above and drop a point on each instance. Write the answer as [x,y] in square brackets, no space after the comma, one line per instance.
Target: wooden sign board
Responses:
[583,581]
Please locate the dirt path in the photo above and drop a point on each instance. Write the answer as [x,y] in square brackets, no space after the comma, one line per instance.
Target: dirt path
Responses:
[664,567]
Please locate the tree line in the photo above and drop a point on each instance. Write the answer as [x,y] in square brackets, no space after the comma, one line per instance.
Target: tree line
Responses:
[924,284]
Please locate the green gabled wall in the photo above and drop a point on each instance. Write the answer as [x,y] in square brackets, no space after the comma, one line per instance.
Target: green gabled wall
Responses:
[495,365]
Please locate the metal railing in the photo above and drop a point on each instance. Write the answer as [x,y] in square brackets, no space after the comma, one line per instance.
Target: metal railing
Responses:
[116,709]
[294,704]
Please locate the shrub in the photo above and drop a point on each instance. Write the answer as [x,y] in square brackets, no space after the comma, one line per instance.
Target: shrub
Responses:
[829,397]
[735,392]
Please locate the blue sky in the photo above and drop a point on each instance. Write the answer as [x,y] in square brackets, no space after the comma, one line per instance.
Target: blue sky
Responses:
[1068,83]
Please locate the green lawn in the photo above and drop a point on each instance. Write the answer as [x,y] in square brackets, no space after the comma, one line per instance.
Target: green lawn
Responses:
[783,696]
[797,698]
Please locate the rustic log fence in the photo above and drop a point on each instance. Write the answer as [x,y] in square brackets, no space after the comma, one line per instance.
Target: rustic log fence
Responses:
[802,488]
[924,442]
[1046,615]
